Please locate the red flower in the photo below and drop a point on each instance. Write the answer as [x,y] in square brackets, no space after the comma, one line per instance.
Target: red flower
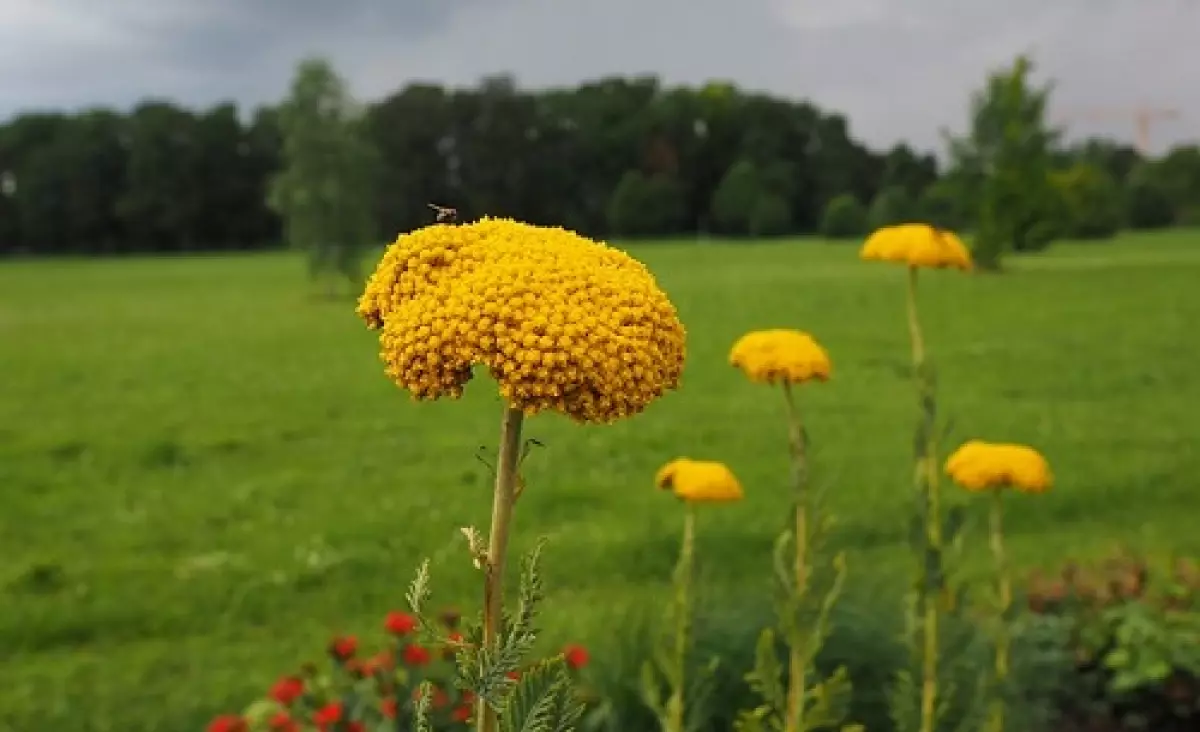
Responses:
[389,707]
[281,722]
[228,723]
[514,675]
[287,690]
[399,623]
[327,716]
[461,713]
[415,655]
[576,656]
[356,727]
[343,648]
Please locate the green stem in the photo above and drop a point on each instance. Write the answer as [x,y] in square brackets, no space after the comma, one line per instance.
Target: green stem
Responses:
[683,608]
[797,663]
[503,498]
[927,481]
[1005,595]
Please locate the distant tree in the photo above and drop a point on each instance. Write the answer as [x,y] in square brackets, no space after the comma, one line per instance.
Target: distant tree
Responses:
[646,205]
[161,207]
[942,204]
[734,198]
[1148,200]
[1090,202]
[1004,164]
[323,193]
[771,216]
[845,218]
[892,205]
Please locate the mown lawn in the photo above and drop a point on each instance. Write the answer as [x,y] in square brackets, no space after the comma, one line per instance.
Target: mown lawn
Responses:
[205,472]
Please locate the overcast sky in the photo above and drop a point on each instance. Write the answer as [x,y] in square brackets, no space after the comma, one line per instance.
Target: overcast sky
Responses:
[899,69]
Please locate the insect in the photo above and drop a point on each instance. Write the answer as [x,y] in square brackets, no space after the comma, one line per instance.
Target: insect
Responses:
[444,213]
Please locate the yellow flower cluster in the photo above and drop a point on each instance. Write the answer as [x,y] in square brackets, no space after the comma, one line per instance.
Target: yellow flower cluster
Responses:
[562,323]
[791,356]
[980,466]
[699,481]
[917,245]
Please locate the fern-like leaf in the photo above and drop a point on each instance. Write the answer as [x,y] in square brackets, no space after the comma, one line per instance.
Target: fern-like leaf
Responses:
[543,701]
[422,719]
[767,677]
[418,595]
[828,702]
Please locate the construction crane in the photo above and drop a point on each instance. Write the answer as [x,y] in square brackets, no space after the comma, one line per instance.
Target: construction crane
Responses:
[1144,118]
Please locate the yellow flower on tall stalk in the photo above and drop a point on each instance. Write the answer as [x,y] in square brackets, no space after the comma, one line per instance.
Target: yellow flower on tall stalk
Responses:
[693,482]
[562,323]
[988,467]
[921,246]
[788,358]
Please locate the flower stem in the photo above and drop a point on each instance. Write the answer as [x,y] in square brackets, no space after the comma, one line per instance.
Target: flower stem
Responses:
[797,663]
[927,482]
[683,620]
[503,498]
[1004,594]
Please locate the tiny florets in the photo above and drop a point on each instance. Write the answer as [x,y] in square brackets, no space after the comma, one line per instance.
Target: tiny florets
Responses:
[917,245]
[562,323]
[789,356]
[699,481]
[980,466]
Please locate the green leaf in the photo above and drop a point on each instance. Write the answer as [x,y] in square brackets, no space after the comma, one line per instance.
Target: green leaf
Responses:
[652,691]
[543,701]
[767,677]
[421,712]
[828,702]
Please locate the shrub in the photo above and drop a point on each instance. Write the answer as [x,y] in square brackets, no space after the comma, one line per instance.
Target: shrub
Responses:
[1090,205]
[1127,644]
[893,205]
[649,206]
[1149,204]
[733,201]
[772,216]
[845,217]
[941,205]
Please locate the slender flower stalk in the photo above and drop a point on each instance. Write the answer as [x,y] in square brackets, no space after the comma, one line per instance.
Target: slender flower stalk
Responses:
[1005,599]
[503,499]
[684,571]
[929,492]
[797,663]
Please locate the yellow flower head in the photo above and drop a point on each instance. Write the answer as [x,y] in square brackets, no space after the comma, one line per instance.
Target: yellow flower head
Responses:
[699,481]
[979,466]
[917,245]
[792,356]
[562,322]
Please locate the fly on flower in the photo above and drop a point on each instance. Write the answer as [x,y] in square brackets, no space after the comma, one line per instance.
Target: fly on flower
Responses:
[444,213]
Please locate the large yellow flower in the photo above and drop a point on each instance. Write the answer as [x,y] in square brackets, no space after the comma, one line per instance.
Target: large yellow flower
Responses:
[699,481]
[980,466]
[917,245]
[562,322]
[770,356]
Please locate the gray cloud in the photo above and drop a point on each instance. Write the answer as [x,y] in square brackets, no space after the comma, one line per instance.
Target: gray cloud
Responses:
[899,69]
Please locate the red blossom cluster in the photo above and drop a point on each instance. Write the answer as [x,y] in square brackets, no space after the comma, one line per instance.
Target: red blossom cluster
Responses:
[311,701]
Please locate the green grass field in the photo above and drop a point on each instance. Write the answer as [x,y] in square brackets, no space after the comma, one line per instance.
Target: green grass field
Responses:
[205,472]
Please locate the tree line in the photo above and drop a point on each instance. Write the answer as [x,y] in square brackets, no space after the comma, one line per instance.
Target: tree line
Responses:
[614,158]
